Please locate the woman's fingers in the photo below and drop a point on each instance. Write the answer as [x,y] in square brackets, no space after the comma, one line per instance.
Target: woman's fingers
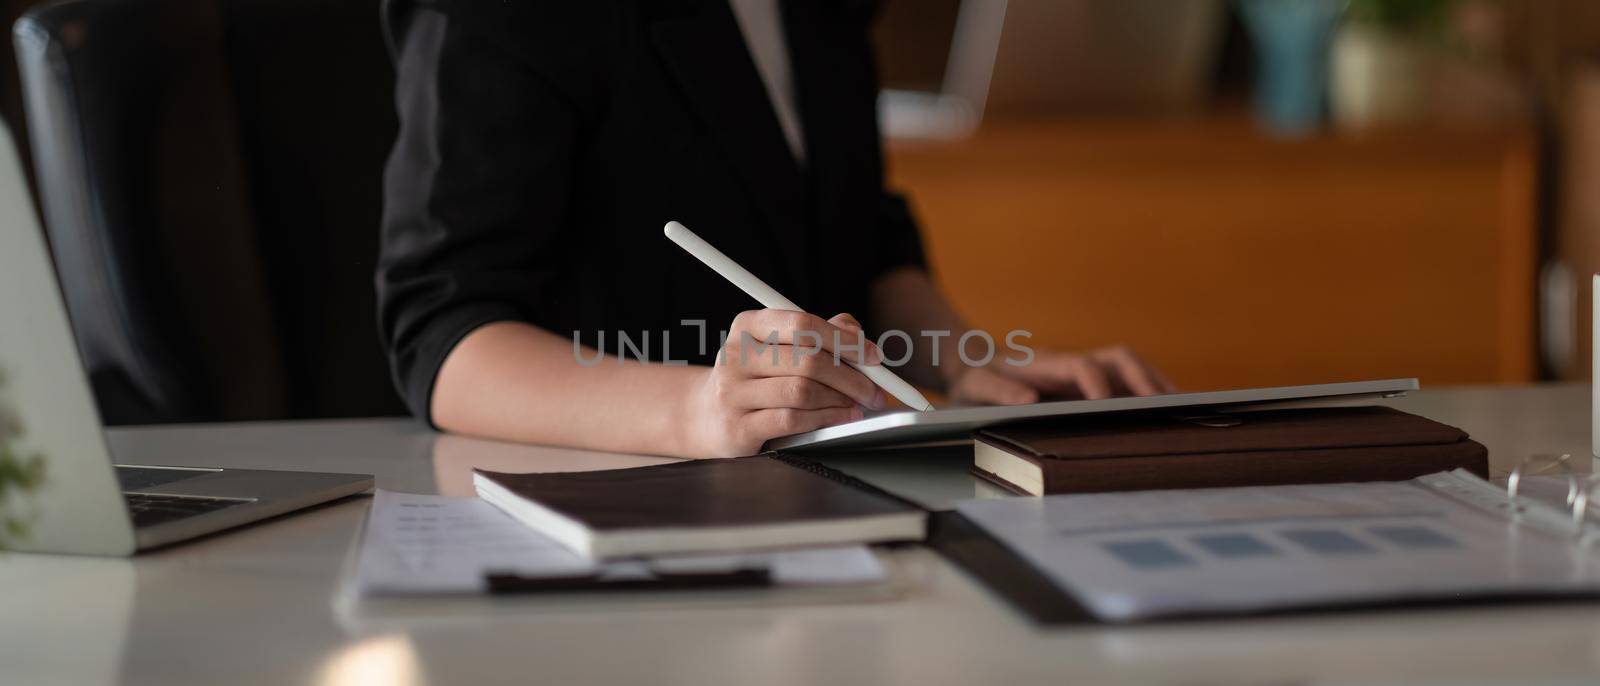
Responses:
[1139,376]
[805,331]
[1088,377]
[1099,374]
[980,385]
[1128,371]
[793,392]
[1065,375]
[1161,379]
[781,373]
[855,337]
[782,361]
[772,423]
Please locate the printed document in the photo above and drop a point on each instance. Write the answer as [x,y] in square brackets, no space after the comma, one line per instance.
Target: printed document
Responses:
[429,544]
[1127,556]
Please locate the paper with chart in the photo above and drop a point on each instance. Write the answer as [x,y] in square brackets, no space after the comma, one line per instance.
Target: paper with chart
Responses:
[429,544]
[1133,555]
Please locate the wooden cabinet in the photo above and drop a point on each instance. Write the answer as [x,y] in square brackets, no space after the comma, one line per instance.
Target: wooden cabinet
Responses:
[1232,259]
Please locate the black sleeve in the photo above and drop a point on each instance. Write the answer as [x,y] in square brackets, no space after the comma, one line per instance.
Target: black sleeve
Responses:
[899,237]
[475,192]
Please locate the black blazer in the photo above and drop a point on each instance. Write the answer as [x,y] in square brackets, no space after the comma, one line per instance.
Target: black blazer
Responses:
[543,144]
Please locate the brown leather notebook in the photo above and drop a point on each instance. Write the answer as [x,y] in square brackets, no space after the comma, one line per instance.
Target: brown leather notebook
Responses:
[766,501]
[1269,447]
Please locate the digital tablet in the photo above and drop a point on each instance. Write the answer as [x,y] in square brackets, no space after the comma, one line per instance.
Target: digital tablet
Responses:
[909,426]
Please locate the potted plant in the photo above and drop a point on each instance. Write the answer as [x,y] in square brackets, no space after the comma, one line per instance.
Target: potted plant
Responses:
[1383,60]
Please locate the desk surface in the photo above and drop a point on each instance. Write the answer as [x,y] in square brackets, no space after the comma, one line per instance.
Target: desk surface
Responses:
[258,605]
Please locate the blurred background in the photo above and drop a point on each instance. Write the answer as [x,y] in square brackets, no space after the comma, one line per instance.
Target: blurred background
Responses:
[1249,192]
[1261,192]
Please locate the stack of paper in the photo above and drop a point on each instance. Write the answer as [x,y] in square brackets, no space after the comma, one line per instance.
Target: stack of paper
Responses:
[440,545]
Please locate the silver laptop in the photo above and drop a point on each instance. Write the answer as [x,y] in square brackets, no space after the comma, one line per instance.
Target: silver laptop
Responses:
[60,490]
[1030,58]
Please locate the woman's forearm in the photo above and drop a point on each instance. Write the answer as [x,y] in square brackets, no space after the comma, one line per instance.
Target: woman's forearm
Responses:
[516,382]
[908,300]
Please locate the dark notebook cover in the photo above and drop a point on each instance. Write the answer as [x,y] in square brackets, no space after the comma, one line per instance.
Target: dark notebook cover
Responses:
[1268,447]
[703,493]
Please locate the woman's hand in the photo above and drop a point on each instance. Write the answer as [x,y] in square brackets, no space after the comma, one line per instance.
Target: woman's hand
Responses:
[779,373]
[1093,375]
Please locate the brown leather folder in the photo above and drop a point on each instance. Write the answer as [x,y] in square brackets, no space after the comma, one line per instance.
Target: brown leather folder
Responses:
[1260,448]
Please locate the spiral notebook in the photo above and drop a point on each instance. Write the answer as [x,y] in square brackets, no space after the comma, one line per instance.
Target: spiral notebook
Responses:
[759,502]
[1124,557]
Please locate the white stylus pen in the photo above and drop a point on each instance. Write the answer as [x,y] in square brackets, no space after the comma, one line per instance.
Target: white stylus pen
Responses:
[764,294]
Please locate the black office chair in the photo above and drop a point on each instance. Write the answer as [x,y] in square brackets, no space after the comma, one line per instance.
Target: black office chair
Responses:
[210,173]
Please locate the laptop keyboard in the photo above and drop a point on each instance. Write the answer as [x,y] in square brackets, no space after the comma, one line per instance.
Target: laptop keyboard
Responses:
[150,509]
[134,478]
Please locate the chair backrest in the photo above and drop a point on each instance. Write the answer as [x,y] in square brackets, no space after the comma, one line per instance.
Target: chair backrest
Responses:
[210,174]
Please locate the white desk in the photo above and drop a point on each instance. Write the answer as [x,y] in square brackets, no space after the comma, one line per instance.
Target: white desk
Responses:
[256,605]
